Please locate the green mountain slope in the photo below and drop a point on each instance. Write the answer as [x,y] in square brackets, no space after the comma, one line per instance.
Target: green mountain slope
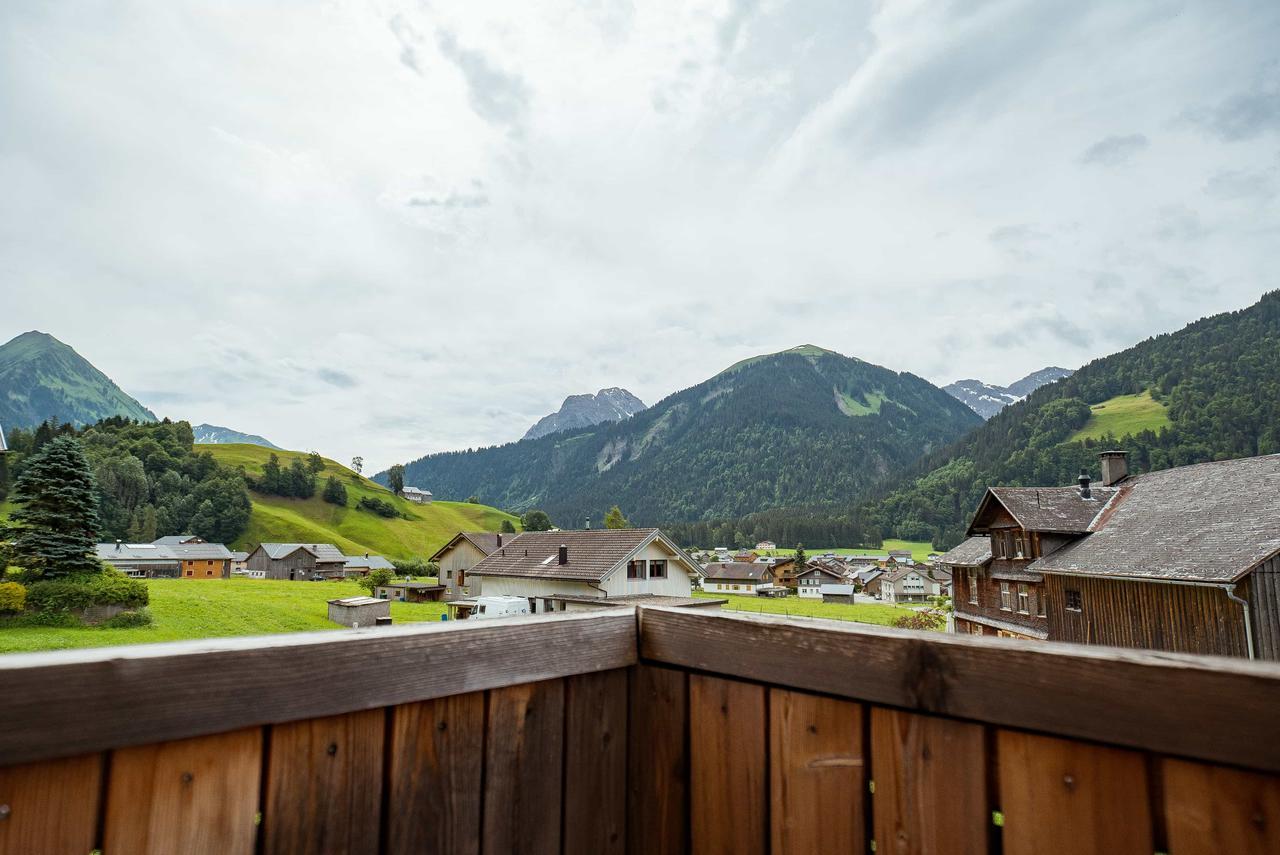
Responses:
[278,519]
[1210,391]
[40,377]
[806,425]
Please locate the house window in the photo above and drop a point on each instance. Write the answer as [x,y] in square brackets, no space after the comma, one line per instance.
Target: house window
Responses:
[1019,545]
[1006,597]
[1024,600]
[448,574]
[973,587]
[657,569]
[635,569]
[1075,602]
[1040,603]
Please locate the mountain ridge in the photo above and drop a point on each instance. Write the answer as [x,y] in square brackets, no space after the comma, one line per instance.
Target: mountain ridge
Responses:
[987,399]
[578,411]
[207,434]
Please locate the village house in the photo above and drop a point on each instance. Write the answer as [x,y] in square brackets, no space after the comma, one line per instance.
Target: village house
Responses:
[737,577]
[766,546]
[239,562]
[783,568]
[465,550]
[809,582]
[913,584]
[410,592]
[185,557]
[559,570]
[296,561]
[362,565]
[417,496]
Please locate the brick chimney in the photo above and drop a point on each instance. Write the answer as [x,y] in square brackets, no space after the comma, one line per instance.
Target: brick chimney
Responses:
[564,554]
[1115,467]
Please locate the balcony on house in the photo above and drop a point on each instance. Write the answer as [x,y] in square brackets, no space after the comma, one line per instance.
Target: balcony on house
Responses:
[636,730]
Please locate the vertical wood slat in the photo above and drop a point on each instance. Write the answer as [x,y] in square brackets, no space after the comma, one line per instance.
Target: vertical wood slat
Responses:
[524,768]
[1072,798]
[595,765]
[658,761]
[931,790]
[1211,809]
[727,733]
[52,806]
[437,754]
[817,774]
[193,796]
[324,785]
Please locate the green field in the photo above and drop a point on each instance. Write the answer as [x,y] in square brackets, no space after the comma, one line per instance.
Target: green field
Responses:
[798,607]
[279,520]
[1123,415]
[920,549]
[218,607]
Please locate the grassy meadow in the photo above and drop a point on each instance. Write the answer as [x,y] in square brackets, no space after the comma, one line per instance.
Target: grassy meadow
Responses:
[876,613]
[920,549]
[1123,415]
[279,519]
[215,608]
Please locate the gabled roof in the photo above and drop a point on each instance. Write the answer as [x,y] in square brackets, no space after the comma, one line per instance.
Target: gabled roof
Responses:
[974,552]
[324,552]
[373,562]
[485,541]
[1056,510]
[737,571]
[1210,522]
[200,551]
[134,552]
[592,555]
[414,491]
[175,539]
[239,556]
[818,568]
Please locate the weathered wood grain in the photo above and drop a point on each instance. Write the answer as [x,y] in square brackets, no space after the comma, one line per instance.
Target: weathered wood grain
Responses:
[1071,798]
[50,807]
[930,776]
[436,757]
[1206,708]
[727,736]
[324,785]
[817,774]
[658,761]
[194,796]
[523,774]
[595,764]
[1211,810]
[80,701]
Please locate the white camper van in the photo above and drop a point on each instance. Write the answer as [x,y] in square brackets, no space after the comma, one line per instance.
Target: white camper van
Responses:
[489,608]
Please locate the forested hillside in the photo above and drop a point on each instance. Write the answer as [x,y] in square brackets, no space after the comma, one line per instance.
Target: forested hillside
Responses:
[803,426]
[1210,391]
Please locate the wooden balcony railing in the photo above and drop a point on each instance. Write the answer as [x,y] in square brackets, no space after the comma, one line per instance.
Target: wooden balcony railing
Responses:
[636,730]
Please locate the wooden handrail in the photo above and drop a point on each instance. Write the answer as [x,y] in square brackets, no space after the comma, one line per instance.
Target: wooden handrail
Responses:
[1206,708]
[72,702]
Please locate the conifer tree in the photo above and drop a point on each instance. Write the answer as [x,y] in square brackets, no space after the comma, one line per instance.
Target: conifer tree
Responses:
[615,519]
[56,524]
[334,492]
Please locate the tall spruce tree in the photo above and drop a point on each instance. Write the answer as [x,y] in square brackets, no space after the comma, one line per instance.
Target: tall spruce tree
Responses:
[55,525]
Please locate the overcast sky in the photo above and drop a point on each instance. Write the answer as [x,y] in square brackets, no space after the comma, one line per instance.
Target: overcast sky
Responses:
[394,228]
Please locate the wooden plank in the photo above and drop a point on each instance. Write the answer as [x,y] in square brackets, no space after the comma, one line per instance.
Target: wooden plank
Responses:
[50,807]
[1061,797]
[658,761]
[727,734]
[1210,809]
[523,772]
[1206,708]
[194,796]
[817,774]
[595,765]
[437,753]
[80,701]
[324,785]
[930,775]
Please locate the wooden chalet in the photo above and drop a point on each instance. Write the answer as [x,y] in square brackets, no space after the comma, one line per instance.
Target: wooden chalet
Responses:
[296,561]
[464,551]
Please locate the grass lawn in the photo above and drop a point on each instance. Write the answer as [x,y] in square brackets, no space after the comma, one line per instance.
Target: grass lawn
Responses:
[1123,415]
[279,520]
[920,549]
[218,607]
[798,607]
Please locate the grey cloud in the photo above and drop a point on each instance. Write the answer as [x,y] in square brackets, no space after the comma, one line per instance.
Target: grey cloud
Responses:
[1240,117]
[1239,184]
[1020,240]
[410,43]
[451,200]
[1115,150]
[497,96]
[334,377]
[1180,224]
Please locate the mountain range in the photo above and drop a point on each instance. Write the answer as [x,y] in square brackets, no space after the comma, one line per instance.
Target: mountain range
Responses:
[206,434]
[42,378]
[580,411]
[804,425]
[987,399]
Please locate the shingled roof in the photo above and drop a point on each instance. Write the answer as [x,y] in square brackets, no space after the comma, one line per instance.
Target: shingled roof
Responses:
[485,541]
[1059,510]
[1210,522]
[974,552]
[592,555]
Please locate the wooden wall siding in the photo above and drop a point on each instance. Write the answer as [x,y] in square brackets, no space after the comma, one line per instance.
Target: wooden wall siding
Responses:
[195,796]
[1264,594]
[1151,616]
[524,744]
[1061,797]
[816,774]
[595,764]
[435,780]
[324,785]
[52,806]
[728,767]
[1212,810]
[658,761]
[930,785]
[988,604]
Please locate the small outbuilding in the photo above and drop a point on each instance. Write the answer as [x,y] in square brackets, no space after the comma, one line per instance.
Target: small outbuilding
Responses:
[410,592]
[359,611]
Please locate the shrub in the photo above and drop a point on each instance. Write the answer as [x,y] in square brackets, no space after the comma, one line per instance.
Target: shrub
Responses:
[79,592]
[376,578]
[922,619]
[379,507]
[13,597]
[130,620]
[41,619]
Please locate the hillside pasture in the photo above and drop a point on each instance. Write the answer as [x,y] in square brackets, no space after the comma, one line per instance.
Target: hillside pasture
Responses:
[1123,415]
